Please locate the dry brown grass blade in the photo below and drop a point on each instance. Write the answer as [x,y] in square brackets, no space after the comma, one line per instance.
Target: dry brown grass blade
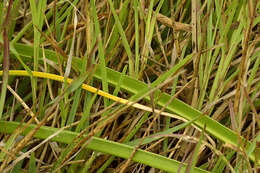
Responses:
[194,23]
[195,20]
[232,117]
[256,118]
[237,130]
[88,27]
[29,136]
[177,26]
[53,38]
[27,108]
[161,44]
[252,5]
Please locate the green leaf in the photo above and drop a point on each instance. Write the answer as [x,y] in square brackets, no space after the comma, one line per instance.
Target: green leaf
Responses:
[32,164]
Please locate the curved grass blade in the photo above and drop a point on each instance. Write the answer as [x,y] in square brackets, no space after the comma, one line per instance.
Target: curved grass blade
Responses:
[102,145]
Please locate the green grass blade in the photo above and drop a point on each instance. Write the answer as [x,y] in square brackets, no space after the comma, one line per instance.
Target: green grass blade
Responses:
[6,64]
[101,53]
[196,152]
[32,164]
[1,15]
[75,104]
[220,164]
[153,137]
[89,101]
[115,35]
[118,86]
[102,145]
[37,18]
[124,39]
[137,56]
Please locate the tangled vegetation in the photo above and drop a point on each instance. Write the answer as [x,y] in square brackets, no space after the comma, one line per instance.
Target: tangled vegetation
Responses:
[130,86]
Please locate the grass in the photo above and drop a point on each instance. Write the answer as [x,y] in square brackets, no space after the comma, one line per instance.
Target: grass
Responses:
[130,86]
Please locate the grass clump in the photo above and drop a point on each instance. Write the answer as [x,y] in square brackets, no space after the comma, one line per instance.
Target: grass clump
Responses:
[129,86]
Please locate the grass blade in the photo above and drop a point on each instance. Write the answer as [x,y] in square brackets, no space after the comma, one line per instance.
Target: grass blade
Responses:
[101,145]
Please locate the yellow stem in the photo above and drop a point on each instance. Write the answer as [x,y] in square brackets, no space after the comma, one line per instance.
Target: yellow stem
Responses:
[90,89]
